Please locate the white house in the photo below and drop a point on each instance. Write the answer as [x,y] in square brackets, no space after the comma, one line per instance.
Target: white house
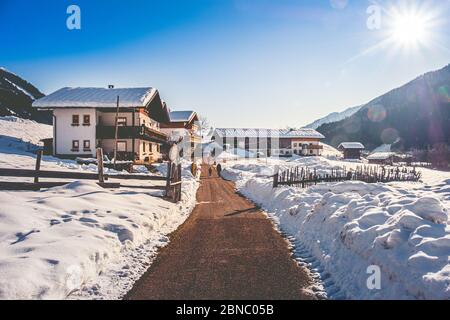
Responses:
[85,118]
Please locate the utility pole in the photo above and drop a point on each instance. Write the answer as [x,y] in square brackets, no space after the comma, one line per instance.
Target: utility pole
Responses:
[116,132]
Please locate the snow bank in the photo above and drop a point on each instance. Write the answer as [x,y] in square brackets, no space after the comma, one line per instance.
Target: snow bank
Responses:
[347,227]
[82,241]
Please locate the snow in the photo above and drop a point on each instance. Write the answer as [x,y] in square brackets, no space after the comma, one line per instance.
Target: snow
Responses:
[342,229]
[334,117]
[330,152]
[78,241]
[351,145]
[380,155]
[21,89]
[97,98]
[181,116]
[383,148]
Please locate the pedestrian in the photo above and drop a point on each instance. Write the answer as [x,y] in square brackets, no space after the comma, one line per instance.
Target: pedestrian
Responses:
[219,169]
[210,171]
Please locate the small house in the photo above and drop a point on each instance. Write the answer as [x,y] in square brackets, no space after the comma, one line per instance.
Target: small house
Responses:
[381,158]
[351,150]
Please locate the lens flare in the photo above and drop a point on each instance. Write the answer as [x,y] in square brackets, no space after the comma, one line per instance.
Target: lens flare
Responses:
[376,113]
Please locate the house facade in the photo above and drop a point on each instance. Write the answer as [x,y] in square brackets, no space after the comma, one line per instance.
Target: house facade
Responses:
[85,118]
[271,142]
[351,150]
[183,125]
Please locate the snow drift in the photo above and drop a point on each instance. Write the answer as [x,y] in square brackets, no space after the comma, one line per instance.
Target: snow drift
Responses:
[403,228]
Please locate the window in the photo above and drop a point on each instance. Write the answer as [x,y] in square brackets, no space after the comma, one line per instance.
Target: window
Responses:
[144,147]
[311,151]
[86,120]
[75,120]
[158,148]
[121,146]
[151,147]
[87,145]
[75,145]
[122,122]
[295,145]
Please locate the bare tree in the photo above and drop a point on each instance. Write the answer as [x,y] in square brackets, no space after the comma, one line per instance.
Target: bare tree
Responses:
[204,126]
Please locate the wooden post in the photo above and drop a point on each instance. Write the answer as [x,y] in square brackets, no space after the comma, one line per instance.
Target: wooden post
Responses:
[101,177]
[116,133]
[169,176]
[38,165]
[179,168]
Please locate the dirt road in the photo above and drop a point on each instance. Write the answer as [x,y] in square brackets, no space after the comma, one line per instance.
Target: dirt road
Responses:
[227,249]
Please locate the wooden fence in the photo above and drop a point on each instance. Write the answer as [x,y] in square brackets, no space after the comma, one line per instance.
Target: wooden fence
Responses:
[172,187]
[305,177]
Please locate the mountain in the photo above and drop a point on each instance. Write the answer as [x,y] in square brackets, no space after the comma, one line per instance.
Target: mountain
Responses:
[16,97]
[334,117]
[416,115]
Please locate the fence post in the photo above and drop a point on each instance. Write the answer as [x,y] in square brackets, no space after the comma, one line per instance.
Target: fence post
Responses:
[275,180]
[38,165]
[169,176]
[101,177]
[179,168]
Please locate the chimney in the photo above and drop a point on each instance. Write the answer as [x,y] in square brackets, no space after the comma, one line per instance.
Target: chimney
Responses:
[111,86]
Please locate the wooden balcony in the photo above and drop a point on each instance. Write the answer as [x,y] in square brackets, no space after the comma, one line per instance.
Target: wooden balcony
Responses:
[129,132]
[315,147]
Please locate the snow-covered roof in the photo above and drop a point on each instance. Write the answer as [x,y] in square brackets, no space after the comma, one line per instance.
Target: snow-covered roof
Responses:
[381,156]
[97,98]
[265,133]
[351,145]
[182,116]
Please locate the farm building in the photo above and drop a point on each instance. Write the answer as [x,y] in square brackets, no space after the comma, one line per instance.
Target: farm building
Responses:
[351,150]
[382,158]
[87,118]
[183,125]
[271,142]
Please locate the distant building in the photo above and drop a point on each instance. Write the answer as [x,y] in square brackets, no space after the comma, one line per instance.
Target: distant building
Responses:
[183,124]
[270,142]
[381,158]
[351,150]
[85,118]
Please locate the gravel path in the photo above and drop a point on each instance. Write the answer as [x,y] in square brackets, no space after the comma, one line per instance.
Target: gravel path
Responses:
[226,250]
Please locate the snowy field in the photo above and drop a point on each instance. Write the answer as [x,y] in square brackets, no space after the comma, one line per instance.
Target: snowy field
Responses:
[342,229]
[78,241]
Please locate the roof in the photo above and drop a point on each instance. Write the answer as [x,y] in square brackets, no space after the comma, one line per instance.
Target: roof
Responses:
[182,116]
[97,98]
[266,133]
[381,156]
[351,145]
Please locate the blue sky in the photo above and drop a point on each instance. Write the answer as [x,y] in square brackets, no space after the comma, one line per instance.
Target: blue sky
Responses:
[248,63]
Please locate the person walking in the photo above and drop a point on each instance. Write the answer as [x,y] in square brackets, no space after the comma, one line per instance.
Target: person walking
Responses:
[210,170]
[219,169]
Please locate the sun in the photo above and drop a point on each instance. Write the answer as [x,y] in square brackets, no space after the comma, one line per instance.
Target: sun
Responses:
[409,28]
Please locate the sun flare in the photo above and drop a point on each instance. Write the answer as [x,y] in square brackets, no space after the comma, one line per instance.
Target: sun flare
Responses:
[410,29]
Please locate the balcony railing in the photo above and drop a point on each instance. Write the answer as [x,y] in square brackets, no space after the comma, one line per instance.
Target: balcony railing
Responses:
[129,132]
